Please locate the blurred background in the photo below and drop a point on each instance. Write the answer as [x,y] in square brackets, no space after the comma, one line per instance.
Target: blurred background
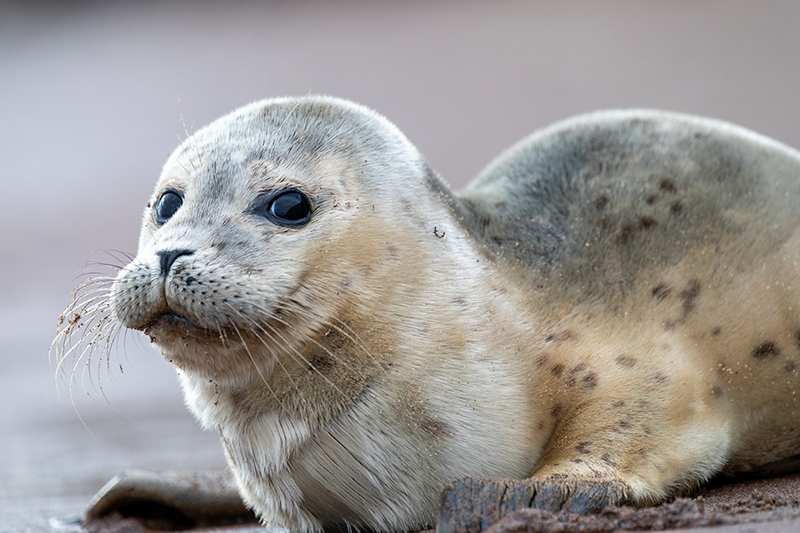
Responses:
[94,96]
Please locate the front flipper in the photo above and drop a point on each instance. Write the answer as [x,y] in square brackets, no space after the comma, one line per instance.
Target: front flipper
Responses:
[471,505]
[179,500]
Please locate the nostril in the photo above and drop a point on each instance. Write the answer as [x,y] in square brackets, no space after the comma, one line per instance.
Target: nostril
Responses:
[169,256]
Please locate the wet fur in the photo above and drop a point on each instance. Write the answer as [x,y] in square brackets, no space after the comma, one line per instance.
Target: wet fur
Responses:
[614,299]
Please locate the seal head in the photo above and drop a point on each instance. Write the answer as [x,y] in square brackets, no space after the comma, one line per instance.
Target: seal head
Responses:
[293,264]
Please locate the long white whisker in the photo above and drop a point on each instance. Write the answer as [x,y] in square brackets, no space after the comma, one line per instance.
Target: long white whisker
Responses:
[320,345]
[87,329]
[188,137]
[268,346]
[255,365]
[295,353]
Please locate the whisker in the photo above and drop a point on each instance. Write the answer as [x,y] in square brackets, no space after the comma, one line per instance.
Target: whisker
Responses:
[299,355]
[255,365]
[268,346]
[114,254]
[81,285]
[107,265]
[335,356]
[285,120]
[87,330]
[295,353]
[353,338]
[65,344]
[289,145]
[188,137]
[306,310]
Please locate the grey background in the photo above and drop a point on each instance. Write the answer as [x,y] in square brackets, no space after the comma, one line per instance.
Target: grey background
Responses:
[91,98]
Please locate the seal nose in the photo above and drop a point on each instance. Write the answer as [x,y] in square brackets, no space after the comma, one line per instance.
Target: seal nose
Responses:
[168,257]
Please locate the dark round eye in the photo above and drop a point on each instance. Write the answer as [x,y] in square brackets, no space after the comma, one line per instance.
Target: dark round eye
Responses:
[167,205]
[289,208]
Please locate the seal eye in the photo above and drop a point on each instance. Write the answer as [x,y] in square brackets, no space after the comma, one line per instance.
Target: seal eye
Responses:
[289,208]
[167,205]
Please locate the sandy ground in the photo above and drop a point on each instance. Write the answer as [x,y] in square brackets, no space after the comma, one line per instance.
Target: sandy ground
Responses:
[95,95]
[754,506]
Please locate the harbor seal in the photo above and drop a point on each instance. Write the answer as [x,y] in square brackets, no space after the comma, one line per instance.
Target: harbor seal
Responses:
[609,313]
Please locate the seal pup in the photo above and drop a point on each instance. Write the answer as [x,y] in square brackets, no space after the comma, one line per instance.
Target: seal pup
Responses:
[609,313]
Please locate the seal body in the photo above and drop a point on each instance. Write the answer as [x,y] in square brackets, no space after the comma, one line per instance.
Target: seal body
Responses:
[610,312]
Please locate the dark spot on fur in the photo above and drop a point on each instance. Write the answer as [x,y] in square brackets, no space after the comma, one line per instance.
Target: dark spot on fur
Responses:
[497,239]
[626,361]
[790,366]
[335,342]
[601,201]
[647,222]
[459,300]
[320,362]
[660,378]
[676,207]
[624,424]
[652,198]
[667,185]
[555,411]
[541,361]
[540,425]
[589,381]
[580,367]
[716,331]
[626,233]
[500,205]
[618,404]
[583,447]
[716,391]
[797,337]
[557,370]
[435,428]
[688,295]
[565,335]
[608,460]
[576,460]
[764,350]
[661,291]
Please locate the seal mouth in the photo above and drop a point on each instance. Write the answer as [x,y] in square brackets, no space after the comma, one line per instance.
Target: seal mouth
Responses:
[168,318]
[171,318]
[168,323]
